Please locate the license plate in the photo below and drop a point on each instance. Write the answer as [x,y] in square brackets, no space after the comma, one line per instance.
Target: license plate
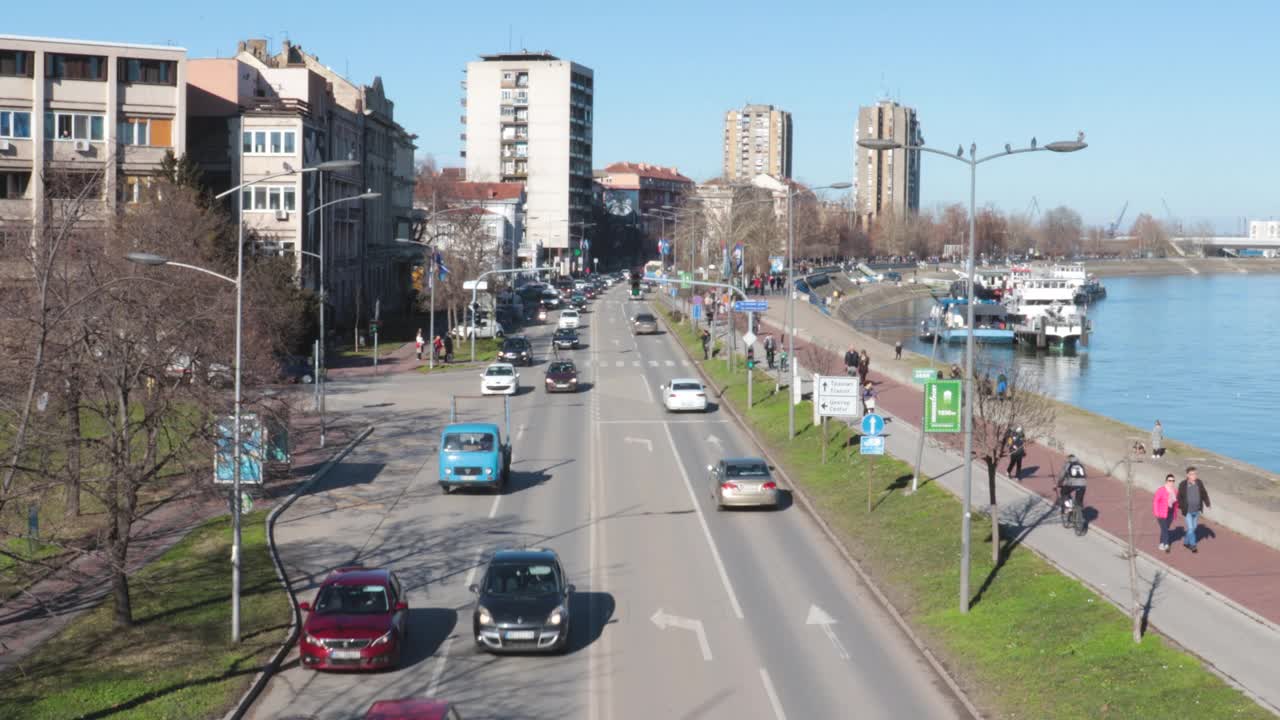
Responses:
[521,634]
[562,385]
[749,489]
[345,654]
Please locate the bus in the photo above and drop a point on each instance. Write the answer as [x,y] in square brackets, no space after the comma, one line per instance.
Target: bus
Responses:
[653,269]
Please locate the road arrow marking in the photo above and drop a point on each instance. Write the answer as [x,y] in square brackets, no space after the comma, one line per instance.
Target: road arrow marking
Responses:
[818,616]
[646,442]
[664,621]
[713,440]
[520,432]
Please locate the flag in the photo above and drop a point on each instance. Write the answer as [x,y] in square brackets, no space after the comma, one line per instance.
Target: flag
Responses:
[441,271]
[737,257]
[724,265]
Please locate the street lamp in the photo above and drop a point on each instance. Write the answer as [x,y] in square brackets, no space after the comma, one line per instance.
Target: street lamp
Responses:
[973,161]
[431,277]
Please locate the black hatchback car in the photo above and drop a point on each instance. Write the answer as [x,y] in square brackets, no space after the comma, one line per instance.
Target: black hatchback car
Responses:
[565,339]
[516,350]
[522,605]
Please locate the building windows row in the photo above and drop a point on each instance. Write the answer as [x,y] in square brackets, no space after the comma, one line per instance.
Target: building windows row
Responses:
[65,66]
[74,126]
[15,124]
[153,132]
[149,72]
[262,198]
[269,142]
[15,63]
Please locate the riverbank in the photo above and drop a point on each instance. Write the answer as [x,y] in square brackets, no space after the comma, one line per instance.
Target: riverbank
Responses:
[1182,266]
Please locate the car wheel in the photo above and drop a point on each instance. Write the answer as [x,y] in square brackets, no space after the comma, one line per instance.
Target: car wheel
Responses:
[447,489]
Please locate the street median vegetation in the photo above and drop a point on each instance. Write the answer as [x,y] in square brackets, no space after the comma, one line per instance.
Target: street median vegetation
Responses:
[1035,643]
[177,659]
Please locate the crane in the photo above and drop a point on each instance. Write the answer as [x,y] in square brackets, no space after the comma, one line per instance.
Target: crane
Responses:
[1114,227]
[1033,208]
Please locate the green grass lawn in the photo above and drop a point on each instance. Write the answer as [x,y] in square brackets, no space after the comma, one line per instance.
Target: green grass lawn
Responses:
[486,352]
[1036,644]
[177,660]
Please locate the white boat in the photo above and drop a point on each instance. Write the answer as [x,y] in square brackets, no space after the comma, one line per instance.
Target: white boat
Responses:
[949,321]
[1044,312]
[1088,288]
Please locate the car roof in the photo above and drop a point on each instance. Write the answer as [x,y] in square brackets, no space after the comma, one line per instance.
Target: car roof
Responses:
[502,364]
[525,556]
[407,709]
[685,380]
[471,427]
[356,575]
[744,461]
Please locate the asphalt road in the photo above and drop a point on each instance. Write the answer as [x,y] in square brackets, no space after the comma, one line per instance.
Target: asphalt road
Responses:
[681,611]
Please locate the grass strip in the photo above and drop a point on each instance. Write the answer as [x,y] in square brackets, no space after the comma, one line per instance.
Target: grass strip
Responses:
[486,352]
[177,661]
[1036,644]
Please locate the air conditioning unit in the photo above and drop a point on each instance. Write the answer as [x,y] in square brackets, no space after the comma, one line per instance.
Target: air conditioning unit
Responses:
[282,214]
[82,146]
[5,146]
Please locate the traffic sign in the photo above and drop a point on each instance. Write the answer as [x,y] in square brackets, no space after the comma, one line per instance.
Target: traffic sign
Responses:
[475,284]
[835,385]
[696,311]
[921,376]
[835,396]
[942,406]
[750,305]
[749,338]
[837,406]
[872,424]
[871,445]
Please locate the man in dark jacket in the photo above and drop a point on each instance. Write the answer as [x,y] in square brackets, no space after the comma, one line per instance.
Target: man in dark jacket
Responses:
[851,361]
[1193,499]
[1017,443]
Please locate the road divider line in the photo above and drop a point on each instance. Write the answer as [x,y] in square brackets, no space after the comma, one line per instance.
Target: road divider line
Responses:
[438,673]
[493,509]
[773,695]
[706,529]
[648,391]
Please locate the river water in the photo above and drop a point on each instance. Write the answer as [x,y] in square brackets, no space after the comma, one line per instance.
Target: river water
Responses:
[1194,351]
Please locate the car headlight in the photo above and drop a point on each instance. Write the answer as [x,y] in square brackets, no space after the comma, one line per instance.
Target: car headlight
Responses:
[573,380]
[485,617]
[488,471]
[557,616]
[448,471]
[383,640]
[310,639]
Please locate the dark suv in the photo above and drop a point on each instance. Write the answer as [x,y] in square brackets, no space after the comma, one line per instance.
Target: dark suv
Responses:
[516,350]
[523,603]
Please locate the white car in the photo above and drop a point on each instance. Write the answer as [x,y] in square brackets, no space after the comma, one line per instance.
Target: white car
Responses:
[684,394]
[500,379]
[568,319]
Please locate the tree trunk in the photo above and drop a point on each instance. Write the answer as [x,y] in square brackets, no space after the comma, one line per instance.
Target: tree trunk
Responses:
[995,511]
[72,488]
[1134,596]
[121,514]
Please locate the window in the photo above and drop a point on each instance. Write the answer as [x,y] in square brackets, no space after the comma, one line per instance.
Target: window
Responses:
[268,142]
[64,66]
[13,185]
[259,142]
[73,126]
[148,72]
[15,63]
[276,144]
[288,143]
[15,124]
[269,198]
[289,199]
[134,131]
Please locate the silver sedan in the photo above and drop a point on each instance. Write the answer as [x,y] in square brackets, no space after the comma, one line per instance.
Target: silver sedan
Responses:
[742,482]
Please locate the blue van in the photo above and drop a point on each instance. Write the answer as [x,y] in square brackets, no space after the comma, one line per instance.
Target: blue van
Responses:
[474,454]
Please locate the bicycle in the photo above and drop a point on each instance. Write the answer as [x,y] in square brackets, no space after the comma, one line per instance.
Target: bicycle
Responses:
[1071,513]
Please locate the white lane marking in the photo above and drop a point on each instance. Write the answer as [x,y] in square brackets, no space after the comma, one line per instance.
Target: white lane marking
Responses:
[684,363]
[671,363]
[713,440]
[646,442]
[818,616]
[773,695]
[519,434]
[620,363]
[653,363]
[666,620]
[706,529]
[661,422]
[438,673]
[493,510]
[647,390]
[635,363]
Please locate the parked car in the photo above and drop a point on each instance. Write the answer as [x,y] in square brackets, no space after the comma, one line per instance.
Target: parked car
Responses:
[684,394]
[359,621]
[644,323]
[741,482]
[500,379]
[522,604]
[562,376]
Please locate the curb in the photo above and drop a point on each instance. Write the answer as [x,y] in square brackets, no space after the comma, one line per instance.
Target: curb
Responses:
[835,541]
[264,676]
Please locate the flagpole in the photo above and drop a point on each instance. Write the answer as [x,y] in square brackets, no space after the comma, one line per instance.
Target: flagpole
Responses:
[431,282]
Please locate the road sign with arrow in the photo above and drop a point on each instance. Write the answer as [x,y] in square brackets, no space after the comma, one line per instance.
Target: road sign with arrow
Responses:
[836,396]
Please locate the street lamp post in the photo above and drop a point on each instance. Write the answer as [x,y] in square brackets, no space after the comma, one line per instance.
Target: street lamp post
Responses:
[431,279]
[475,286]
[973,161]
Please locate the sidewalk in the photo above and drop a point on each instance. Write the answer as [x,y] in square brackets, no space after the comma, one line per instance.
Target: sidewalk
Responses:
[1222,604]
[46,607]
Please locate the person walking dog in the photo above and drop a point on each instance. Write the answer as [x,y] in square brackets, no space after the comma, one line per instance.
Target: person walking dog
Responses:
[1165,508]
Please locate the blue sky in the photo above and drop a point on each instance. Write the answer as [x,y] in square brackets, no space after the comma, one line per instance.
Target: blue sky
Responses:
[1177,99]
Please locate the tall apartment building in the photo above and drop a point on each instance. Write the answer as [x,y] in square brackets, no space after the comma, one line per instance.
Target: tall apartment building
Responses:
[76,112]
[529,120]
[886,181]
[757,141]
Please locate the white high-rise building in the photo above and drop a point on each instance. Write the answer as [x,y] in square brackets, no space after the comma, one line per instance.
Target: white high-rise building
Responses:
[528,120]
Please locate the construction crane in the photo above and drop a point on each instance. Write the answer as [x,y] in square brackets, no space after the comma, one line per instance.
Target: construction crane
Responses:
[1033,209]
[1114,227]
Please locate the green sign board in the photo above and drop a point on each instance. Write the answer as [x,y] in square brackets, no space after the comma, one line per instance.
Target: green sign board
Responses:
[685,277]
[942,406]
[920,376]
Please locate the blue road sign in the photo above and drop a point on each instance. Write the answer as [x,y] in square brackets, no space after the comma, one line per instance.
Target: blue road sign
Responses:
[871,445]
[750,305]
[872,424]
[696,311]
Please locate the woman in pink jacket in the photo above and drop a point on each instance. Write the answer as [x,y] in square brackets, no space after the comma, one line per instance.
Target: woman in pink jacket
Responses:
[1165,507]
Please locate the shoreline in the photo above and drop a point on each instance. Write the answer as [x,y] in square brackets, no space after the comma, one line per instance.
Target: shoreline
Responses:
[1182,266]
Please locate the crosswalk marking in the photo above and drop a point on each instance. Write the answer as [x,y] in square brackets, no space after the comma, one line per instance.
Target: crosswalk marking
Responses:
[621,363]
[635,363]
[653,363]
[671,363]
[684,363]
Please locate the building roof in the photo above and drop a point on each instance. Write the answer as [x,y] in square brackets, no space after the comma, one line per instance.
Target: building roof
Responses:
[645,170]
[522,55]
[456,174]
[93,43]
[477,191]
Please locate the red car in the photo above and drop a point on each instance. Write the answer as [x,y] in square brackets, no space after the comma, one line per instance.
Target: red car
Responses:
[359,621]
[412,709]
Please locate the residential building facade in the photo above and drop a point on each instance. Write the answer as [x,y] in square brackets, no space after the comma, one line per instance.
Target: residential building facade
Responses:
[757,140]
[529,120]
[79,113]
[643,188]
[498,212]
[886,181]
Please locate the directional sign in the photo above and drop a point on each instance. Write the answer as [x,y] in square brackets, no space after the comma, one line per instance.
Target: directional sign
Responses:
[920,376]
[749,338]
[872,424]
[838,406]
[942,406]
[871,445]
[475,284]
[836,396]
[835,385]
[750,305]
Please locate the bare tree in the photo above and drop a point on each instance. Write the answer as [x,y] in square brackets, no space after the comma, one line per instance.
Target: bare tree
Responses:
[1061,231]
[1149,235]
[996,418]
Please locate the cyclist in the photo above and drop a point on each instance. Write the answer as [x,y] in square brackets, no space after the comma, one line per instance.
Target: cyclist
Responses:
[1072,484]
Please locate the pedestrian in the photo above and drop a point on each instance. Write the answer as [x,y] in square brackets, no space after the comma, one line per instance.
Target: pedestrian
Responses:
[940,375]
[1017,451]
[1157,441]
[418,343]
[897,350]
[956,372]
[706,344]
[851,361]
[868,398]
[769,349]
[1165,507]
[1002,386]
[448,348]
[864,366]
[1193,499]
[437,347]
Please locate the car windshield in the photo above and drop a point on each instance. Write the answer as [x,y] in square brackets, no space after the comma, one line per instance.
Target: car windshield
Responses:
[570,313]
[515,345]
[747,470]
[645,318]
[500,370]
[566,333]
[561,367]
[686,386]
[468,442]
[521,579]
[352,600]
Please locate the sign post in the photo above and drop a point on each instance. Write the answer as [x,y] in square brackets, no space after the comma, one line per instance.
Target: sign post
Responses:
[749,340]
[871,443]
[942,406]
[836,395]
